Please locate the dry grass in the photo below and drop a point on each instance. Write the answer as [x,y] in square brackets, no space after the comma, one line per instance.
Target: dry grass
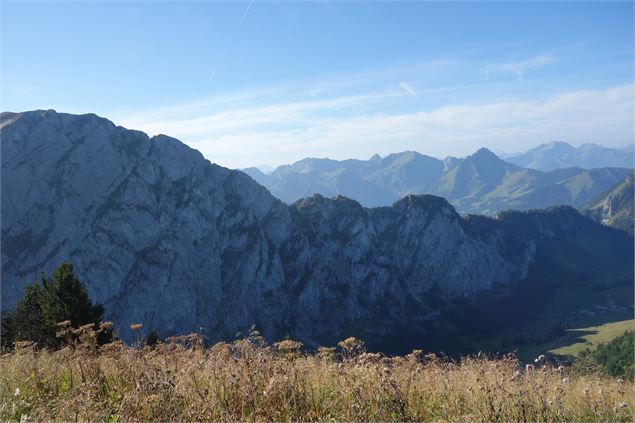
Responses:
[247,380]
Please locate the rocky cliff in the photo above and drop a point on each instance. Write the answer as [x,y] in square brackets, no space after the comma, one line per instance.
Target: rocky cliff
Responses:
[615,208]
[161,236]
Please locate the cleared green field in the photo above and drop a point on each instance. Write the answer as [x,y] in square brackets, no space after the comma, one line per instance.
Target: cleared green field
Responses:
[577,340]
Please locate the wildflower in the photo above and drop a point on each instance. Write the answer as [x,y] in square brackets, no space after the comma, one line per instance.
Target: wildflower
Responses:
[529,368]
[620,381]
[416,355]
[17,392]
[288,346]
[105,325]
[622,405]
[352,347]
[561,369]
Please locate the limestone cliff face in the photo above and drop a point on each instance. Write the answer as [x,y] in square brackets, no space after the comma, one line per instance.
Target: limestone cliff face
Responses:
[161,236]
[157,233]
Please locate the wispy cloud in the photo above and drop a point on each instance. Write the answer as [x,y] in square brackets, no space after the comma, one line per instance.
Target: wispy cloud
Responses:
[408,89]
[360,114]
[519,68]
[282,133]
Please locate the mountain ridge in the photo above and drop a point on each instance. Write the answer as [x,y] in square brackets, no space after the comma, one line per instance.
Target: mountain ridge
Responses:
[479,183]
[163,237]
[559,154]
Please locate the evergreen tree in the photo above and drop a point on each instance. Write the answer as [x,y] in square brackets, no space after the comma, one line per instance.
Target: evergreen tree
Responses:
[36,315]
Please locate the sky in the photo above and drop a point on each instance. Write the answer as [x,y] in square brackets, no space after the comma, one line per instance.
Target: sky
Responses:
[264,83]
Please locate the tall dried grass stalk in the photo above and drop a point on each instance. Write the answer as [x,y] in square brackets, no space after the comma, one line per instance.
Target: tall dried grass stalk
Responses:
[248,380]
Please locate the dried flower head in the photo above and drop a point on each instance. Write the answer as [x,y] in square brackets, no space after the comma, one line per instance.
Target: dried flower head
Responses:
[105,325]
[136,326]
[288,346]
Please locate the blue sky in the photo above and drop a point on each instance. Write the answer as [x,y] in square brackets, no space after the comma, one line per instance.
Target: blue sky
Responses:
[254,82]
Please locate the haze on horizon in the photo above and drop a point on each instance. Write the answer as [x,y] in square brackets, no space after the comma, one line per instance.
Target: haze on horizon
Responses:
[252,83]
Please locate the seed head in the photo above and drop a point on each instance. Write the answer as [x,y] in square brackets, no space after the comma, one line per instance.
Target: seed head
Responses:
[105,325]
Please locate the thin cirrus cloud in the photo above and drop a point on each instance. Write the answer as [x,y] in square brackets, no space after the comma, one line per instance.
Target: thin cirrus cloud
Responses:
[519,68]
[282,124]
[408,89]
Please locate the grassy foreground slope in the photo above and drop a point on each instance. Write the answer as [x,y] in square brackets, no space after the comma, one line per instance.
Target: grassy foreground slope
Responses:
[248,380]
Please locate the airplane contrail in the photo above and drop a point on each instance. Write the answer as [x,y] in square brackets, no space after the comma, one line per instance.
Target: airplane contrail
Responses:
[246,10]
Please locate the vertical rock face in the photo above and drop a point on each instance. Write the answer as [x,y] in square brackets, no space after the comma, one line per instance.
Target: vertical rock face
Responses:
[158,234]
[161,236]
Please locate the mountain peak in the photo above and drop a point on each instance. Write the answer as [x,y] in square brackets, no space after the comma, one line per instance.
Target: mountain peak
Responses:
[559,154]
[560,146]
[557,143]
[484,153]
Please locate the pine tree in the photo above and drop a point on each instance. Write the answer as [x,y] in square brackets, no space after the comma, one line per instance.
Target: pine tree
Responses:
[36,315]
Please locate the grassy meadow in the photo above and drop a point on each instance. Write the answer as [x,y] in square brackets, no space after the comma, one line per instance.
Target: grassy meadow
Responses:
[182,380]
[577,340]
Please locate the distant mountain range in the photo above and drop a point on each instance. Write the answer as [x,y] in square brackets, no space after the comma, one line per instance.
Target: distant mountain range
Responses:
[160,236]
[480,183]
[616,207]
[557,155]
